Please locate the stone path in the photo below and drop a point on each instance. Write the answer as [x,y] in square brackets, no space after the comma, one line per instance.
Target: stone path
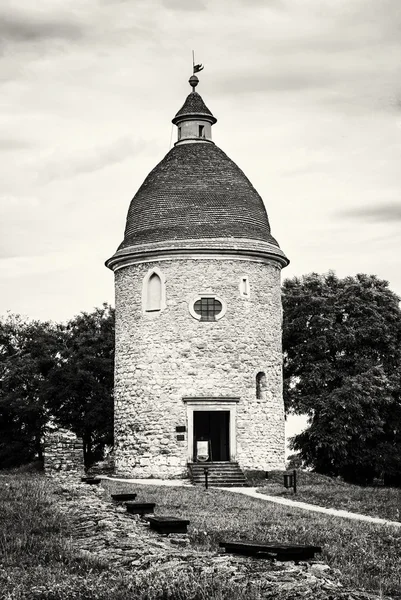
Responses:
[104,531]
[255,493]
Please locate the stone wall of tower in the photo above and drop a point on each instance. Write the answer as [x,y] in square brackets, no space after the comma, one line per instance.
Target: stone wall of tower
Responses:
[163,357]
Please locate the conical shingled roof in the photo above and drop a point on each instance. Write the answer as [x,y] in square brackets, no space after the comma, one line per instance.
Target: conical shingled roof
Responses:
[193,106]
[196,192]
[197,200]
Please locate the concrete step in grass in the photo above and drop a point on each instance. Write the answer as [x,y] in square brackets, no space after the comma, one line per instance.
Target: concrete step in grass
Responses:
[140,508]
[123,497]
[168,525]
[90,480]
[280,552]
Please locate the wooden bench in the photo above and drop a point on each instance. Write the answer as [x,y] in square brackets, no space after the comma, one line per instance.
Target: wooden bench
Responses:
[140,508]
[123,497]
[279,552]
[168,524]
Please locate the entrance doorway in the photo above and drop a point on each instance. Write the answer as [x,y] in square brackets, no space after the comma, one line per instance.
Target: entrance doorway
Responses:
[213,425]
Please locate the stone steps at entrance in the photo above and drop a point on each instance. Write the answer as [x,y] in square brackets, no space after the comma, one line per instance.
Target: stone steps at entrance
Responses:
[218,475]
[225,465]
[216,480]
[222,474]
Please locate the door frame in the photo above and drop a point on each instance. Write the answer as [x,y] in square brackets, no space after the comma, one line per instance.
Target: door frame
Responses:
[210,404]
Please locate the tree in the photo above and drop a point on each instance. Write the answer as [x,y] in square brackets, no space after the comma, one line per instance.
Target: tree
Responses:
[28,352]
[342,358]
[79,390]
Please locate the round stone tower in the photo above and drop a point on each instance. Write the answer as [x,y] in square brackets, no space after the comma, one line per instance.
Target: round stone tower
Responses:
[198,371]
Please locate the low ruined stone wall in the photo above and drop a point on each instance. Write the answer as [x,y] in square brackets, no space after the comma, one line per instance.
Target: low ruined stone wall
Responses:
[63,453]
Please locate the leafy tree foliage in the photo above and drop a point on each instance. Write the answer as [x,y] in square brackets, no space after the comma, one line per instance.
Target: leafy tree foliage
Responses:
[342,358]
[55,372]
[28,352]
[79,391]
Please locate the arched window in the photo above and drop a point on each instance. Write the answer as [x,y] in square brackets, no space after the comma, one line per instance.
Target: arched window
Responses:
[153,295]
[260,385]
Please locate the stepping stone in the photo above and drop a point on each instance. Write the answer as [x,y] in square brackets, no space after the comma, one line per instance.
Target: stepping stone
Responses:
[281,552]
[90,480]
[140,508]
[123,497]
[168,524]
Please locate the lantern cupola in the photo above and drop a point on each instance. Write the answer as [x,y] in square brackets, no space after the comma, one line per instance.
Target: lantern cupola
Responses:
[194,120]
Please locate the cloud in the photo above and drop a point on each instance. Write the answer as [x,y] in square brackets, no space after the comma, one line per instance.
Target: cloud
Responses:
[9,144]
[336,48]
[93,159]
[383,213]
[27,26]
[184,5]
[287,80]
[24,212]
[6,252]
[14,266]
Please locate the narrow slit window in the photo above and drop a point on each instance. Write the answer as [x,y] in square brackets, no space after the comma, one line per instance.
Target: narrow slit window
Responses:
[179,133]
[201,131]
[260,385]
[244,287]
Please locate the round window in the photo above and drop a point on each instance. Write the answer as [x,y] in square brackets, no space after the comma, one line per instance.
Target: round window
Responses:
[207,308]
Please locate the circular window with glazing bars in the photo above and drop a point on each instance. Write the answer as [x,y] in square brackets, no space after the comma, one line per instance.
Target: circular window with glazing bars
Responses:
[207,308]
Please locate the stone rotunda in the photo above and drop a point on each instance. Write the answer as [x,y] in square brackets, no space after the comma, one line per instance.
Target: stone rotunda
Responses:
[198,371]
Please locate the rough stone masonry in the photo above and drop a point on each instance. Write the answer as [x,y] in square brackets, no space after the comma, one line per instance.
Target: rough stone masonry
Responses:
[198,314]
[166,356]
[63,453]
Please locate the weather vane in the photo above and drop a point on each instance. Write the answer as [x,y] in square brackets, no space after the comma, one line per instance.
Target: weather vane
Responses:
[196,68]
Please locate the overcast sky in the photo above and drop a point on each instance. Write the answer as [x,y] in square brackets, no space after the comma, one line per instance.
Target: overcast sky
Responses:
[307,94]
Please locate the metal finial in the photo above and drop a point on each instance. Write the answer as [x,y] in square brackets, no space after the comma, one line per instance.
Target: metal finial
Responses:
[193,82]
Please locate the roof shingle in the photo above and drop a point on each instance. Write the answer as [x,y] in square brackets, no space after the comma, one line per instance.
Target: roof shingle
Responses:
[192,106]
[196,192]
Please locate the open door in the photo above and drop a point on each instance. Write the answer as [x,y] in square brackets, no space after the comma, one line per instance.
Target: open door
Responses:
[214,426]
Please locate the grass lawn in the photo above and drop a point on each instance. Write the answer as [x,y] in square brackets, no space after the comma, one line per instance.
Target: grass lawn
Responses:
[368,556]
[38,560]
[332,493]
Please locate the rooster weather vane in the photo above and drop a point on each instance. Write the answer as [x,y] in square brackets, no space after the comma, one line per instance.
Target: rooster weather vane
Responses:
[196,68]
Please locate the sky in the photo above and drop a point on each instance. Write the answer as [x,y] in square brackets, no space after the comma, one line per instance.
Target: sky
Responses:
[307,94]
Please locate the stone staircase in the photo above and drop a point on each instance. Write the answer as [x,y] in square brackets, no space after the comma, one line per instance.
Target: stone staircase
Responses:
[220,474]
